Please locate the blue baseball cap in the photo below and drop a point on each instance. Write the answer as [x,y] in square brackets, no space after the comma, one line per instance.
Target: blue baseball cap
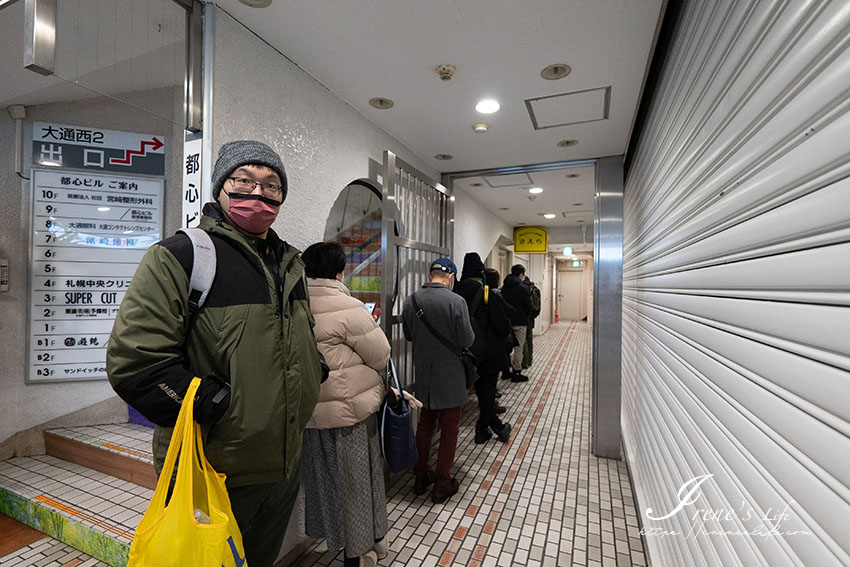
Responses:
[445,265]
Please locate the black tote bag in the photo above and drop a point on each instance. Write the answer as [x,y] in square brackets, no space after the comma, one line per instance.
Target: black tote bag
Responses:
[397,438]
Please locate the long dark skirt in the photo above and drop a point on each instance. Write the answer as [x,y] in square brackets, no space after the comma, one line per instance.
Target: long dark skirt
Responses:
[344,484]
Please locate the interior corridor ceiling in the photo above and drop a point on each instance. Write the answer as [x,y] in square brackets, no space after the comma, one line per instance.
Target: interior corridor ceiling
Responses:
[362,49]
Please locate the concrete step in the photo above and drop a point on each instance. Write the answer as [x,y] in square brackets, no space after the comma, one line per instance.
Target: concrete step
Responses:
[91,511]
[122,450]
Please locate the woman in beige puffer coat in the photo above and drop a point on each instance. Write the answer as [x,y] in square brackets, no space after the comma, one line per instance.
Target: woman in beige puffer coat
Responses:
[342,462]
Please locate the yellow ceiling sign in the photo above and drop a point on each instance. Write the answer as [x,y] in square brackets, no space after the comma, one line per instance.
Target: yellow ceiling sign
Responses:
[531,239]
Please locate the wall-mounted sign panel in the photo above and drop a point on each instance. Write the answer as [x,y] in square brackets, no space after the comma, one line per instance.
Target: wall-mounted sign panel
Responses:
[531,239]
[95,149]
[89,232]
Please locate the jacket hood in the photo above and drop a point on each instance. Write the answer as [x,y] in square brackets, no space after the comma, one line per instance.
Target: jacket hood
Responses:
[468,288]
[511,281]
[327,286]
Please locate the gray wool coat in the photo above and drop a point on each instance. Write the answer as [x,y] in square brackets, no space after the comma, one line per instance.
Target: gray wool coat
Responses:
[440,378]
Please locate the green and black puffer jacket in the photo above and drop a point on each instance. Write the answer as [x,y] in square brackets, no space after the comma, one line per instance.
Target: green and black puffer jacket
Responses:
[255,331]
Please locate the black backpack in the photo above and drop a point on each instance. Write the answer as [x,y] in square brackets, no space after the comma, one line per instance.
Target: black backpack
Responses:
[535,301]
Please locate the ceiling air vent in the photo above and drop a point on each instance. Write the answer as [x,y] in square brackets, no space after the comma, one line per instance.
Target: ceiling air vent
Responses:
[511,180]
[569,108]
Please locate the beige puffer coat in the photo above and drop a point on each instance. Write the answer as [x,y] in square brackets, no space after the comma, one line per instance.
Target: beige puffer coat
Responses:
[356,350]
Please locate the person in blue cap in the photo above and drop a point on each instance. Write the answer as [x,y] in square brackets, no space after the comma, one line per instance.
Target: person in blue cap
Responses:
[439,374]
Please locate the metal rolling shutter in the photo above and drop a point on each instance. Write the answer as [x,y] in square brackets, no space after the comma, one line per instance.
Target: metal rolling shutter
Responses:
[736,284]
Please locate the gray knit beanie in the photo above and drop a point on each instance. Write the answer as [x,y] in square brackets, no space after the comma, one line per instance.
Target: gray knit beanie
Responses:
[244,152]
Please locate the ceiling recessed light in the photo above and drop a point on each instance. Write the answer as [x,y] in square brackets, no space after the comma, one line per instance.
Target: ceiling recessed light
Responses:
[475,184]
[257,3]
[556,71]
[573,175]
[576,204]
[567,143]
[381,103]
[444,157]
[452,198]
[488,106]
[549,216]
[103,209]
[480,128]
[535,190]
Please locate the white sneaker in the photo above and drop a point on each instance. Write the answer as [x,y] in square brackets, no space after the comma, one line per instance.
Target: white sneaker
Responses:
[382,548]
[369,559]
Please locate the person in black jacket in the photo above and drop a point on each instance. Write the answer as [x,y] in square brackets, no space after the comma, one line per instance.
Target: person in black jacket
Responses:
[491,324]
[492,280]
[517,297]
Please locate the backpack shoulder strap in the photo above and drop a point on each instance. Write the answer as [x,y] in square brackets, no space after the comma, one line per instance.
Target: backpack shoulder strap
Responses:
[203,267]
[486,294]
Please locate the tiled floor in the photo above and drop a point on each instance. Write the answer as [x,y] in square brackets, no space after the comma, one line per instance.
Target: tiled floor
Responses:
[539,500]
[48,552]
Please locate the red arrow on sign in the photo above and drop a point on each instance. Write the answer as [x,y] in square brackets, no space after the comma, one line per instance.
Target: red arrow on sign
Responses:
[155,144]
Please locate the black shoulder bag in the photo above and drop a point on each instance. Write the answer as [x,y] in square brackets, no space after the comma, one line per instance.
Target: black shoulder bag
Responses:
[470,366]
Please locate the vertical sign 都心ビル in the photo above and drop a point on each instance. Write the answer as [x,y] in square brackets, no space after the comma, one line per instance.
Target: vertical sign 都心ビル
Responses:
[192,195]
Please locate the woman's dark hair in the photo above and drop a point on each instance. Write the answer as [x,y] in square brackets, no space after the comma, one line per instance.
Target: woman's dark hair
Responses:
[324,260]
[491,278]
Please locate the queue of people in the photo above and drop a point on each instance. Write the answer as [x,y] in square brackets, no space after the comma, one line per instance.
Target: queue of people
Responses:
[291,364]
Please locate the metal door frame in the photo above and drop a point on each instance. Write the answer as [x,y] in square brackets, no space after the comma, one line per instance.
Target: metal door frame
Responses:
[417,216]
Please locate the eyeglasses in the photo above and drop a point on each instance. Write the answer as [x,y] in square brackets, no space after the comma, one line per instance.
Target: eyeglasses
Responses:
[243,185]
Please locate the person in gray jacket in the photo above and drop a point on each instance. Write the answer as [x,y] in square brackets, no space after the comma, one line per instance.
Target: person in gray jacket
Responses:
[440,377]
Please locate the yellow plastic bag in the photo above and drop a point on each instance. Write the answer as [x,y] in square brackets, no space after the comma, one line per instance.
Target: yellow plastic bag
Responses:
[172,535]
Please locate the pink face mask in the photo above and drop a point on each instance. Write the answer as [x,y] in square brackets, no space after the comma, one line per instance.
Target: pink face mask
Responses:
[252,213]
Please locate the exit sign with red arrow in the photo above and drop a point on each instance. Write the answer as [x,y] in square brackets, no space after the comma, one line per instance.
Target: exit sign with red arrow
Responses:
[96,149]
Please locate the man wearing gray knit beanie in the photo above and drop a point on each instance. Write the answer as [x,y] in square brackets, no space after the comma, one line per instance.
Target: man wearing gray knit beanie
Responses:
[251,342]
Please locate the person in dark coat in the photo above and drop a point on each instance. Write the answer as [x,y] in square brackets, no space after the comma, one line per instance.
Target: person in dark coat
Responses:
[440,375]
[491,324]
[517,297]
[493,280]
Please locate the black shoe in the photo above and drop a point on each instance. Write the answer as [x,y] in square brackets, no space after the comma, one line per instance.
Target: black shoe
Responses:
[506,375]
[498,394]
[482,434]
[443,492]
[423,481]
[517,377]
[500,409]
[505,433]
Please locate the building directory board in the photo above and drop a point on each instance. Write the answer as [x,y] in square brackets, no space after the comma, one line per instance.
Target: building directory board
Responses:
[89,232]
